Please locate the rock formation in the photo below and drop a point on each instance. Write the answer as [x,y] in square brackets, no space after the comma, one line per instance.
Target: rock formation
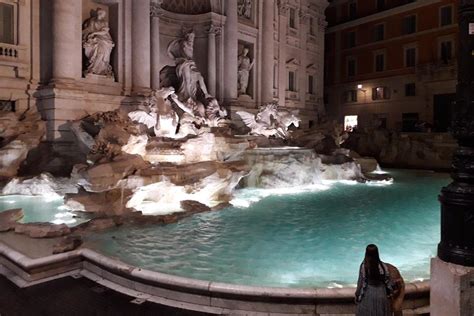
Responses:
[19,134]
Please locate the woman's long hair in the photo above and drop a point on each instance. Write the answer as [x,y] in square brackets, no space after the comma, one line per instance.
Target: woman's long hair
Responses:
[372,262]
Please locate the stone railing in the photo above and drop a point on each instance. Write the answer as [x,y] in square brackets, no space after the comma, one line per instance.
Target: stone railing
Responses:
[195,295]
[11,53]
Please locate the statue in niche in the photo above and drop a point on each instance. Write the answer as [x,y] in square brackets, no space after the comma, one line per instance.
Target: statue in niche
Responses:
[191,82]
[245,65]
[244,9]
[98,44]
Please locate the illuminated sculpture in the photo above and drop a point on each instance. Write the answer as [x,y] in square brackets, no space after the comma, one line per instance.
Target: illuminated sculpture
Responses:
[270,121]
[98,44]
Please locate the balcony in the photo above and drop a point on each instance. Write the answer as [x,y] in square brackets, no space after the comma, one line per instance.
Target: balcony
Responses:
[15,57]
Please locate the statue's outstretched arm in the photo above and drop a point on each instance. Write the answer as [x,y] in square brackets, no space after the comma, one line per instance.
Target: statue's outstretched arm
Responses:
[181,105]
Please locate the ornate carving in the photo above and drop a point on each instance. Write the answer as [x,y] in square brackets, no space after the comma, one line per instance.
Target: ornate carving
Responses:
[188,6]
[283,6]
[155,8]
[214,29]
[270,121]
[244,9]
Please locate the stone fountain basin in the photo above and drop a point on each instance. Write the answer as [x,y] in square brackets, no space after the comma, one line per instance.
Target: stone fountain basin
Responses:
[186,293]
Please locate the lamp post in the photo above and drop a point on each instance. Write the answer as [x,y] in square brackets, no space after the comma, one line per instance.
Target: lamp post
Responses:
[457,199]
[452,272]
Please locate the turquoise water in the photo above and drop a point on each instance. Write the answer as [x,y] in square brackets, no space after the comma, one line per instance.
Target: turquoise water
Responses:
[40,209]
[304,239]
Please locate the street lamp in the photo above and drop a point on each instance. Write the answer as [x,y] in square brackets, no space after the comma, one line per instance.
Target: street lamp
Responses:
[457,199]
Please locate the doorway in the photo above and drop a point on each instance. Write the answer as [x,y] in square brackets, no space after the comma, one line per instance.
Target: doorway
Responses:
[442,111]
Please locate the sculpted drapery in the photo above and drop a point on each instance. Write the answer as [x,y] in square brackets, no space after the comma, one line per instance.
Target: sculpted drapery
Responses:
[97,44]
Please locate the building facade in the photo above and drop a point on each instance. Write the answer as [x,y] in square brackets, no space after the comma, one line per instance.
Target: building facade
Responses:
[391,63]
[43,62]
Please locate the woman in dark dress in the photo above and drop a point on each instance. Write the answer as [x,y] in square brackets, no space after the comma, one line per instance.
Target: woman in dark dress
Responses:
[374,287]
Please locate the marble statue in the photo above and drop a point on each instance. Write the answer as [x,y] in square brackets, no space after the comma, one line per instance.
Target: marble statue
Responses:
[97,44]
[270,121]
[214,112]
[244,9]
[245,64]
[191,82]
[160,115]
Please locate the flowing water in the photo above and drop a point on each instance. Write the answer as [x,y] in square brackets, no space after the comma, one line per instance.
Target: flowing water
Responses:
[297,237]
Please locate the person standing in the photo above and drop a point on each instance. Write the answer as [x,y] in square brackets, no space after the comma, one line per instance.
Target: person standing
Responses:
[375,286]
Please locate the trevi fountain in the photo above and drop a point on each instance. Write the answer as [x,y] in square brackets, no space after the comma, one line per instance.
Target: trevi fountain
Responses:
[181,184]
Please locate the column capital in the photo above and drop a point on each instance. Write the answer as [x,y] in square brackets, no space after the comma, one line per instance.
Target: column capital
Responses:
[155,8]
[283,6]
[214,29]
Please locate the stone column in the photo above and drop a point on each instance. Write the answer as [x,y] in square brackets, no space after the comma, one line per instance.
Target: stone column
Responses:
[155,12]
[212,59]
[452,279]
[141,75]
[267,52]
[67,39]
[231,50]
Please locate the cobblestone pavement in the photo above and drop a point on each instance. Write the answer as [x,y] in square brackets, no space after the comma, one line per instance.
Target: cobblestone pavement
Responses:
[73,297]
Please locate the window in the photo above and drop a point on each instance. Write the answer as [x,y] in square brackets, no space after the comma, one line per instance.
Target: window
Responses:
[409,24]
[311,84]
[351,67]
[446,52]
[351,39]
[379,62]
[410,57]
[292,81]
[6,23]
[292,20]
[380,93]
[380,5]
[379,33]
[353,10]
[410,89]
[446,16]
[351,96]
[350,122]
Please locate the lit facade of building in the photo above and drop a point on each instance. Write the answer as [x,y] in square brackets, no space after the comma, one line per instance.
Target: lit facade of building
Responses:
[42,58]
[391,63]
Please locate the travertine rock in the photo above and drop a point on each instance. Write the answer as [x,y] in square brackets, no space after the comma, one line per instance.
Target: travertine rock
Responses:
[18,135]
[42,230]
[106,176]
[66,244]
[9,218]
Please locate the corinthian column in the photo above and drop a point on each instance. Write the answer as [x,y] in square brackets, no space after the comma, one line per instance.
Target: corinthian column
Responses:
[212,59]
[267,52]
[141,46]
[231,50]
[67,39]
[155,12]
